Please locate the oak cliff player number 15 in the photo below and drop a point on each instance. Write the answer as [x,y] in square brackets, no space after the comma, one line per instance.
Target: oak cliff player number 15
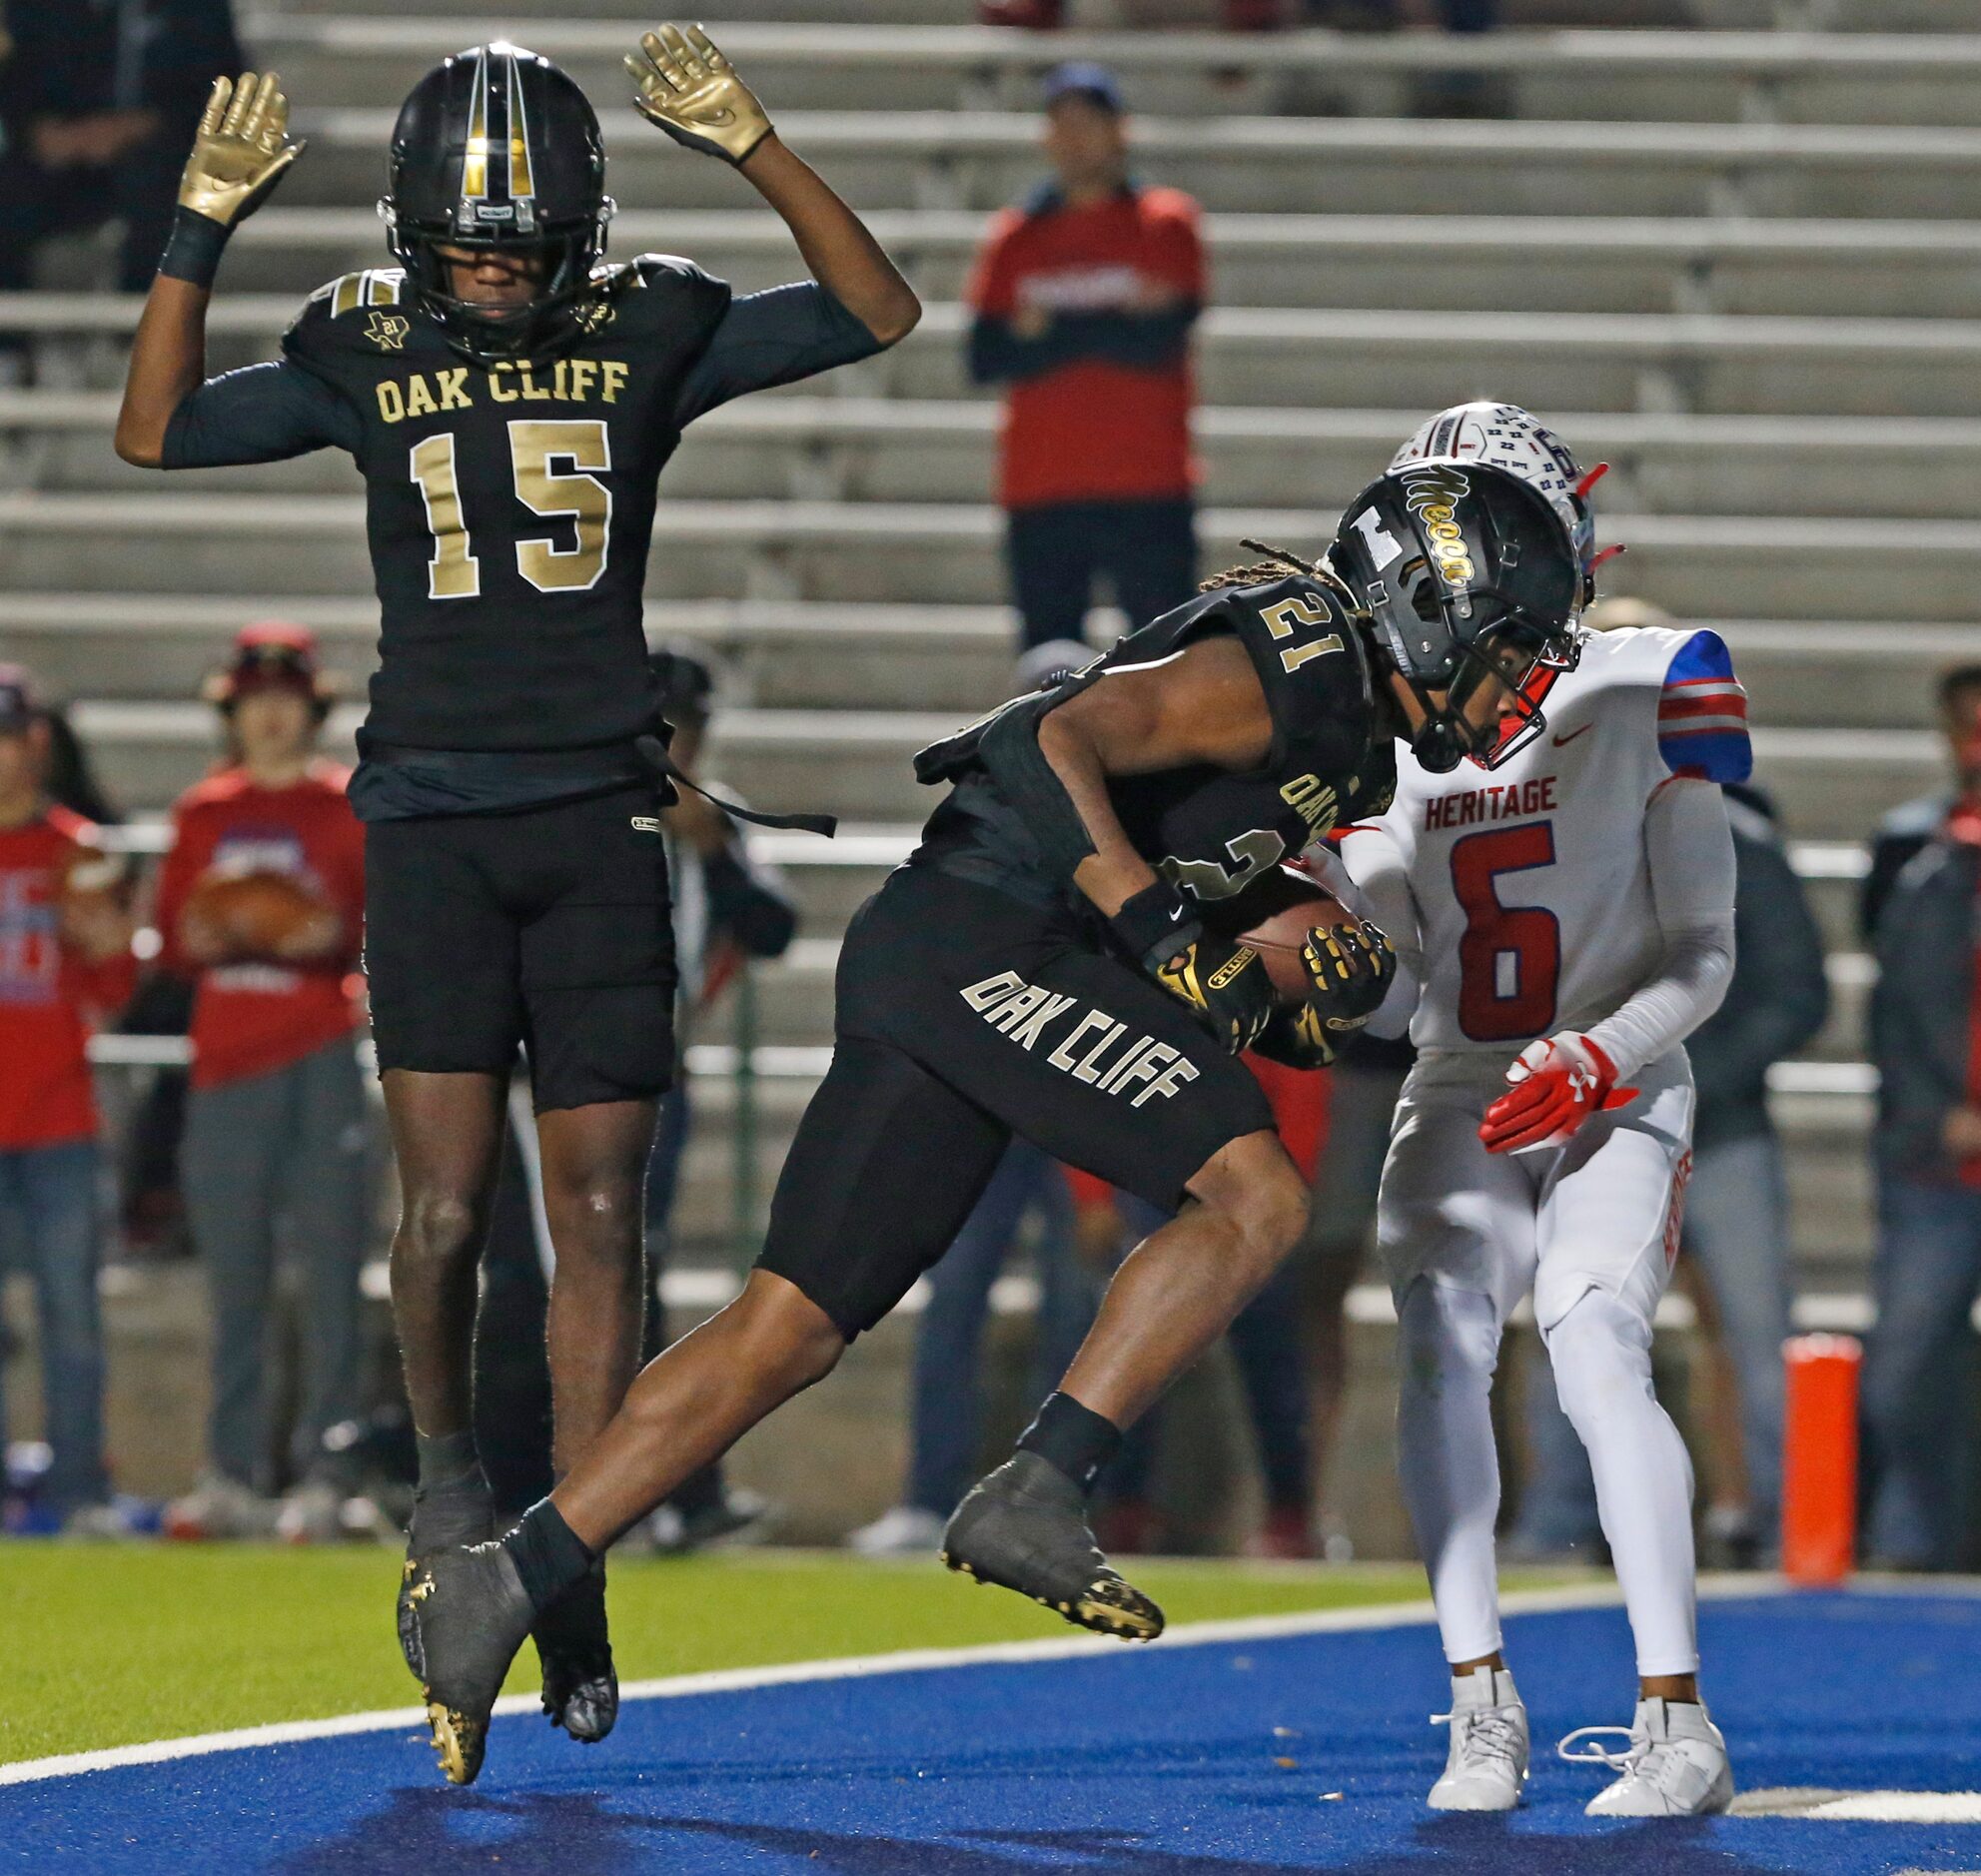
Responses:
[510,401]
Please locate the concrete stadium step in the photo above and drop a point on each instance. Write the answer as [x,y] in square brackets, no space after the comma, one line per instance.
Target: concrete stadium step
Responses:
[900,449]
[1402,359]
[142,646]
[772,654]
[1809,77]
[1462,264]
[1519,13]
[1833,784]
[1695,565]
[898,160]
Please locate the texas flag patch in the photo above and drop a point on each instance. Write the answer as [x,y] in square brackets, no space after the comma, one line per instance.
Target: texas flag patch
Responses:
[1703,714]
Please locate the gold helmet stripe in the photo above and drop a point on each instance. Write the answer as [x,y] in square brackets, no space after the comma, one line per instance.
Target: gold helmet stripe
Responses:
[474,165]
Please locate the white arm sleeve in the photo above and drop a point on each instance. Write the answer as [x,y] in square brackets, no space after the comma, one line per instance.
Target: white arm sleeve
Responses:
[1689,852]
[1371,878]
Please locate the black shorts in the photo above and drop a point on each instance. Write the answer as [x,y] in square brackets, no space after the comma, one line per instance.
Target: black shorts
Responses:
[965,1016]
[548,927]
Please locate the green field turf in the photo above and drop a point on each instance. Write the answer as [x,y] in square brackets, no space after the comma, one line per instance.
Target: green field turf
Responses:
[111,1646]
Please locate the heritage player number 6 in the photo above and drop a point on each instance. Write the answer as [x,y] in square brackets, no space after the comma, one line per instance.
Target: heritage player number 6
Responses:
[1509,959]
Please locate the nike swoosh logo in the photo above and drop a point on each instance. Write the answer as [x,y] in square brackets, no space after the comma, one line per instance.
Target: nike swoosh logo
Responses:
[1572,734]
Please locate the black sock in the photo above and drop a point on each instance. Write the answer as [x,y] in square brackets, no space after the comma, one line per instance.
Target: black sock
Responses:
[452,1503]
[1075,1438]
[549,1555]
[448,1463]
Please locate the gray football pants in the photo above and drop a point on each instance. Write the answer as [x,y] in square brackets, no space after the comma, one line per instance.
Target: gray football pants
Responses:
[282,1157]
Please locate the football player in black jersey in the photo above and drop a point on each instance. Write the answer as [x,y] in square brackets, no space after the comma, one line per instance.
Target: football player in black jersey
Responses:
[510,401]
[1052,962]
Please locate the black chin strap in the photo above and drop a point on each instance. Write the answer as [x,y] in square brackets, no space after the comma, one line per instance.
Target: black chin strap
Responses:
[653,753]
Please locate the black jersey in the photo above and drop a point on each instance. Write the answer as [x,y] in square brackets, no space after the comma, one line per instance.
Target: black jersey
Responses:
[508,508]
[1208,831]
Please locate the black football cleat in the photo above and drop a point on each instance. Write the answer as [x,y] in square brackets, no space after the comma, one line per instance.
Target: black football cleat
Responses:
[440,1521]
[581,1690]
[470,1615]
[1025,1528]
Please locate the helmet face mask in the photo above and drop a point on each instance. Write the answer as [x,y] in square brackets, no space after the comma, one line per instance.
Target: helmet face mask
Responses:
[1470,580]
[497,150]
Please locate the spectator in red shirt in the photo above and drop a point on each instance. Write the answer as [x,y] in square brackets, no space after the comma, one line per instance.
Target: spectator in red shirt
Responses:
[1084,298]
[276,1130]
[65,963]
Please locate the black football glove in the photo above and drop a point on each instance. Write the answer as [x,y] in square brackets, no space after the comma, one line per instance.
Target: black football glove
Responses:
[1349,972]
[1224,982]
[1297,1038]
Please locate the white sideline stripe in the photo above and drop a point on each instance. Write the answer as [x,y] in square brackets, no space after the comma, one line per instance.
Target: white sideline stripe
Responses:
[1862,1807]
[908,1660]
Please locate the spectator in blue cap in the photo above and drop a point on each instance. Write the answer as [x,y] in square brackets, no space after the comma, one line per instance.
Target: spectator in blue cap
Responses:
[1083,300]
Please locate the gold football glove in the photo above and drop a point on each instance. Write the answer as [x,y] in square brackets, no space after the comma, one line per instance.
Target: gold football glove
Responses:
[1226,984]
[241,151]
[692,91]
[1349,972]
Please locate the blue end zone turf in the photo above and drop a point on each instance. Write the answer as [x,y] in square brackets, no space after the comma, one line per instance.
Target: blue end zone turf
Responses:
[1302,1752]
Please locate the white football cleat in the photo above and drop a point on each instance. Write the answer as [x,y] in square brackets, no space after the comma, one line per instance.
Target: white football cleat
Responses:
[905,1530]
[1489,1758]
[1674,1766]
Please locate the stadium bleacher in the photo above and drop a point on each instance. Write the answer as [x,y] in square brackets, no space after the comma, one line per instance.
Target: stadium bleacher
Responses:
[1739,262]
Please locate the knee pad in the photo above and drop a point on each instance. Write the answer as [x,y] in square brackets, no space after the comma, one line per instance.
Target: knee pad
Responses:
[1445,1336]
[1599,1351]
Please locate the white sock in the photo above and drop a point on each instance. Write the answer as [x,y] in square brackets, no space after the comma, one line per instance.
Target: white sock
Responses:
[1600,1352]
[1448,1343]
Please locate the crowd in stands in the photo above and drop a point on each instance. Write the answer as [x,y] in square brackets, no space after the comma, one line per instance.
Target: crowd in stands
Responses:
[249,939]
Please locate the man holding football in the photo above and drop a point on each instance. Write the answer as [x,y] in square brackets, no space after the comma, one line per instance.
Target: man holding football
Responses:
[1062,959]
[510,401]
[261,905]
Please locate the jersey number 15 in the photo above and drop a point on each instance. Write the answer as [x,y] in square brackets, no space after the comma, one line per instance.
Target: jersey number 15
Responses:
[549,463]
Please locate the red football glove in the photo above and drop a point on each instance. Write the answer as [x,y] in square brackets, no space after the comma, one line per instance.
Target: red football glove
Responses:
[1556,1084]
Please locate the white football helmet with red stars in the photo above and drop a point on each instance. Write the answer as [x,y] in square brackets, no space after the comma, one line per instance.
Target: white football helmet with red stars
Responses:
[1504,437]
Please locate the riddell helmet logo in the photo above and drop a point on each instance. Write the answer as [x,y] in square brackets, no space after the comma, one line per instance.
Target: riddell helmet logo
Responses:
[1432,493]
[1230,969]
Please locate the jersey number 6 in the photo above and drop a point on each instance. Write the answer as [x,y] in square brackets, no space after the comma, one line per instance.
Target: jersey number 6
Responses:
[1509,959]
[569,494]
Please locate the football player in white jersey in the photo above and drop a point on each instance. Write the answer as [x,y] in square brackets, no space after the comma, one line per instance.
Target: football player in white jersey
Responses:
[1556,877]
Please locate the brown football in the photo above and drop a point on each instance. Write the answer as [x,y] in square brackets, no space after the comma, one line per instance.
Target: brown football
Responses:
[1274,917]
[260,915]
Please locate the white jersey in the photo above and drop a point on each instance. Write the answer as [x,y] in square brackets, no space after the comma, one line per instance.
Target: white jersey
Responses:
[1531,890]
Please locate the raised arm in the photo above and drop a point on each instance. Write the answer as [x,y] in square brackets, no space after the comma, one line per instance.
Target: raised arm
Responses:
[239,155]
[692,91]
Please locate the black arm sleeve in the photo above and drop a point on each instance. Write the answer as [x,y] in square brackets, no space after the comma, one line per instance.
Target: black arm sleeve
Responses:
[260,414]
[1147,341]
[747,907]
[773,338]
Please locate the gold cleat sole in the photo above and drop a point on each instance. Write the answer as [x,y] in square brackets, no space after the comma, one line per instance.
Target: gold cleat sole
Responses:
[457,1742]
[1114,1608]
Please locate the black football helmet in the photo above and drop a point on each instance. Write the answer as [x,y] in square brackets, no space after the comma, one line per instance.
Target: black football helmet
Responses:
[497,148]
[1467,574]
